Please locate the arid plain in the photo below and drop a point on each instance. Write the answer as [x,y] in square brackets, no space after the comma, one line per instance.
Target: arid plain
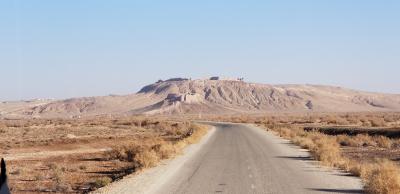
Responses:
[82,144]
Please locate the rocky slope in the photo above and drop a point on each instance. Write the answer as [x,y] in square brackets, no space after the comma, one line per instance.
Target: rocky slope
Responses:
[217,96]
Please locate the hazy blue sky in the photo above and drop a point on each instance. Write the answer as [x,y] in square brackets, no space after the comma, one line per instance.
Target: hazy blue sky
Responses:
[65,48]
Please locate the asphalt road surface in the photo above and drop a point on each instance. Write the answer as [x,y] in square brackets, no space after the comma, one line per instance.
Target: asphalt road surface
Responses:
[243,159]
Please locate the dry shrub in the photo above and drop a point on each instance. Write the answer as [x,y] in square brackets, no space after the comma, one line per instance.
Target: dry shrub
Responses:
[304,142]
[356,141]
[366,123]
[149,152]
[383,179]
[345,140]
[364,140]
[383,142]
[167,150]
[284,132]
[356,169]
[198,132]
[359,169]
[327,150]
[147,158]
[124,153]
[378,122]
[59,176]
[287,132]
[102,182]
[324,148]
[159,149]
[379,178]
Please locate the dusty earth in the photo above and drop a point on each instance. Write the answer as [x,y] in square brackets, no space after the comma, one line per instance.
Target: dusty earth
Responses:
[73,155]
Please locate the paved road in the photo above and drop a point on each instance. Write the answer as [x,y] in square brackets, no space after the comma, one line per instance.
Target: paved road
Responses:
[242,159]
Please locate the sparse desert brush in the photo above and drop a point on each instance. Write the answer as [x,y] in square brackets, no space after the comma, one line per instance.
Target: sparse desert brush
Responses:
[284,132]
[299,131]
[364,140]
[132,146]
[147,158]
[345,140]
[124,152]
[82,167]
[383,142]
[102,182]
[378,122]
[384,178]
[324,148]
[360,169]
[15,123]
[337,120]
[315,135]
[366,123]
[327,150]
[304,142]
[291,132]
[390,118]
[355,141]
[167,150]
[355,169]
[52,166]
[197,132]
[327,119]
[180,145]
[149,152]
[59,177]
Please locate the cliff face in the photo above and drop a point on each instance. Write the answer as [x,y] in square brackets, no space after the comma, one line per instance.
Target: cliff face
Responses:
[219,96]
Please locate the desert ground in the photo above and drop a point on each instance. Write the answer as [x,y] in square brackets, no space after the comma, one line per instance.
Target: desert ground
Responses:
[81,155]
[78,156]
[79,145]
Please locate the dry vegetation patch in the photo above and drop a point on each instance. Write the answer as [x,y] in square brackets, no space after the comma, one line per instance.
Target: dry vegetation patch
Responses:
[132,143]
[383,178]
[149,152]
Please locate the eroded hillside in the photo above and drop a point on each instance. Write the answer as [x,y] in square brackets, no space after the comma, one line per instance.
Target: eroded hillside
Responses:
[207,96]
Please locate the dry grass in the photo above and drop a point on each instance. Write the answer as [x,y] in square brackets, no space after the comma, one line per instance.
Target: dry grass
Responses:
[324,148]
[383,178]
[379,178]
[167,150]
[327,150]
[383,142]
[359,140]
[365,119]
[149,152]
[147,158]
[102,182]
